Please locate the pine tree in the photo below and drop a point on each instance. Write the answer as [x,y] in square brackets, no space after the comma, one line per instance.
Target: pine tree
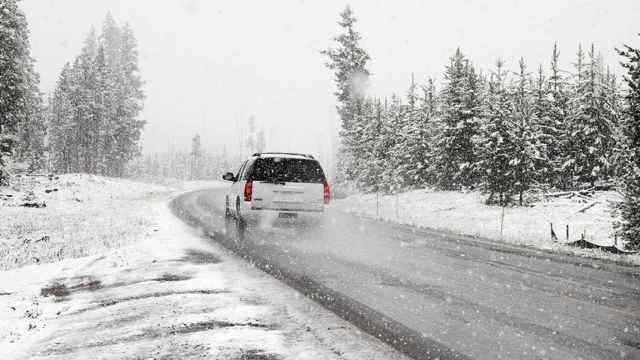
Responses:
[20,100]
[615,112]
[129,128]
[372,156]
[33,131]
[629,209]
[414,149]
[454,156]
[494,142]
[549,133]
[94,125]
[592,129]
[526,155]
[60,113]
[557,135]
[349,62]
[394,139]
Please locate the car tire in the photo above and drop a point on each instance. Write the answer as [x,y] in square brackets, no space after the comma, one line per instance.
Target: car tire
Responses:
[227,211]
[240,222]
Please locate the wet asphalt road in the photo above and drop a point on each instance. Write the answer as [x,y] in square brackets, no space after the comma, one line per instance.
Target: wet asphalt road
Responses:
[436,295]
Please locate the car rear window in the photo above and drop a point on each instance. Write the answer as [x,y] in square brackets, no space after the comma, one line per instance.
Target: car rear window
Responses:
[287,170]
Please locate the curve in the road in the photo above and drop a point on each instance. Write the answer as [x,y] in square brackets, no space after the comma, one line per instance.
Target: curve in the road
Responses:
[453,298]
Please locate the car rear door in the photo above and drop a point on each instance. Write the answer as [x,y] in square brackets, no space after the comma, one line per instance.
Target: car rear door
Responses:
[287,184]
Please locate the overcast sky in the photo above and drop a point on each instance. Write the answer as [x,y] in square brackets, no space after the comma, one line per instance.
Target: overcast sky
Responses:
[209,65]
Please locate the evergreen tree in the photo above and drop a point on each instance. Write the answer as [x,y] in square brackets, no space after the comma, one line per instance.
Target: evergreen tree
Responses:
[349,62]
[414,146]
[629,209]
[615,111]
[392,137]
[373,156]
[494,142]
[592,128]
[33,130]
[20,100]
[556,135]
[549,132]
[526,155]
[454,156]
[129,129]
[60,113]
[93,113]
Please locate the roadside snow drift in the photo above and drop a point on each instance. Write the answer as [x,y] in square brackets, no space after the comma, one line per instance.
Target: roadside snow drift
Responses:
[466,213]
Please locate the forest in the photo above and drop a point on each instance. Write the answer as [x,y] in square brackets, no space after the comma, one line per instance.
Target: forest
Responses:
[505,132]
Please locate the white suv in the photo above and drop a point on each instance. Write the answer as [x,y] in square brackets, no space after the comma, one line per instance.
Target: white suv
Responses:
[282,184]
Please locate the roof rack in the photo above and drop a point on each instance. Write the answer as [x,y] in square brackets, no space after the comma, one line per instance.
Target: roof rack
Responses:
[284,153]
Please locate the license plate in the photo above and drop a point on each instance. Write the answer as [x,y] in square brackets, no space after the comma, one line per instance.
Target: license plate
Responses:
[287,215]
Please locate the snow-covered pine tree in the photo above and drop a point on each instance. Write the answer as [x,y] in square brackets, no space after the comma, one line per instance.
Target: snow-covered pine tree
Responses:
[548,131]
[363,146]
[393,137]
[413,148]
[557,136]
[494,142]
[373,156]
[454,154]
[573,143]
[615,111]
[526,157]
[33,130]
[84,121]
[110,39]
[592,128]
[349,62]
[60,114]
[20,100]
[629,209]
[129,128]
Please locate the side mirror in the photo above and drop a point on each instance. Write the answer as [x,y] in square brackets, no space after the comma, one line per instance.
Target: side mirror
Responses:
[229,177]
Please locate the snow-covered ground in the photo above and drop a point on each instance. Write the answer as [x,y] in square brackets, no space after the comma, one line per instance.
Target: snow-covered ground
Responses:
[165,293]
[466,213]
[84,215]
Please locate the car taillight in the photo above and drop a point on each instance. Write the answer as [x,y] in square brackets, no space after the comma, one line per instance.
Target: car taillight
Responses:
[248,190]
[327,193]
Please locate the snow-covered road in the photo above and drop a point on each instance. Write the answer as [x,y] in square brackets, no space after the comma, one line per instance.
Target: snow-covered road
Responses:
[432,293]
[171,296]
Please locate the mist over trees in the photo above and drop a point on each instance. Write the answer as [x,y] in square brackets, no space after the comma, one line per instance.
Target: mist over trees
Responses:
[93,112]
[195,163]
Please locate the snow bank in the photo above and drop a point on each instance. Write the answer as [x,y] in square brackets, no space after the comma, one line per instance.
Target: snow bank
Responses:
[466,213]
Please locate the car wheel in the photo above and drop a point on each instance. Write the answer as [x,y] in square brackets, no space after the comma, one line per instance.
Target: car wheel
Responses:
[241,224]
[239,220]
[227,211]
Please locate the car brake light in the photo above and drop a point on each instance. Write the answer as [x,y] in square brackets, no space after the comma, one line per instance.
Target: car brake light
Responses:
[327,193]
[248,190]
